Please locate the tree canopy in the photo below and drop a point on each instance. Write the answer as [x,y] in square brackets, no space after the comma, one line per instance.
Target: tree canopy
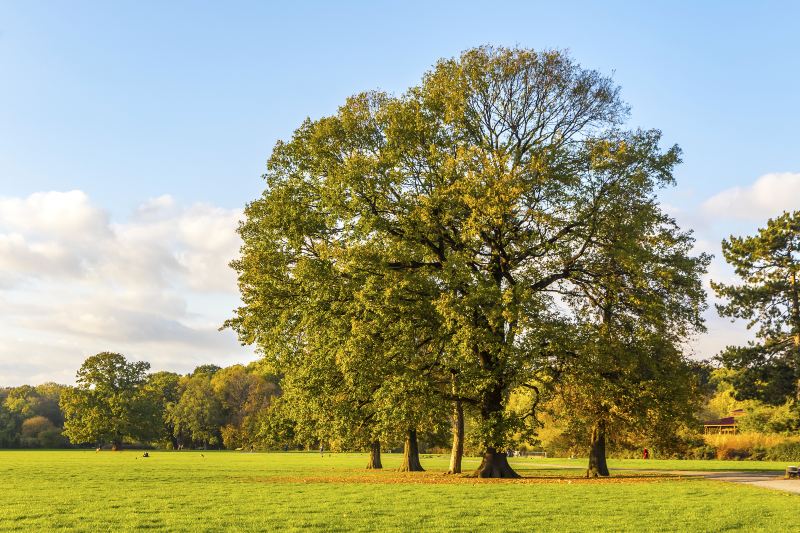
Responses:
[107,404]
[768,298]
[475,200]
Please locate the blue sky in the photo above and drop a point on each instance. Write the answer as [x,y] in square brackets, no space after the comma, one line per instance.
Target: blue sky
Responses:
[160,116]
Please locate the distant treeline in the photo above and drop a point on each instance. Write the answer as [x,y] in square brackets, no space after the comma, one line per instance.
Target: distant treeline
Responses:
[116,401]
[31,418]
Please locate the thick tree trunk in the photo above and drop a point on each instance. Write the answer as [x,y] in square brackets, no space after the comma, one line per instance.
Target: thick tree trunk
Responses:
[495,464]
[116,445]
[411,453]
[597,452]
[458,438]
[374,456]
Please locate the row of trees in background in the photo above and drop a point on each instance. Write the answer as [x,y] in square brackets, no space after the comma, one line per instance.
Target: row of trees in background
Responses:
[30,416]
[116,401]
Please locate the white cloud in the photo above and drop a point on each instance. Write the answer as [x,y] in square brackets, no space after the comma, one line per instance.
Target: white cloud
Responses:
[733,211]
[768,196]
[73,282]
[67,214]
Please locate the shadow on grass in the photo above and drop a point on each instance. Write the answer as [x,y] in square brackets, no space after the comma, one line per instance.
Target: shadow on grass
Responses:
[441,478]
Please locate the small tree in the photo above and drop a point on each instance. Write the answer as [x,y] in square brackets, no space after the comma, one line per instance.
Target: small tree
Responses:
[107,404]
[638,300]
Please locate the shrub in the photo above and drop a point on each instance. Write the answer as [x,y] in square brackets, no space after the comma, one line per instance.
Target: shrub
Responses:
[32,427]
[704,452]
[786,451]
[758,453]
[736,454]
[52,438]
[745,441]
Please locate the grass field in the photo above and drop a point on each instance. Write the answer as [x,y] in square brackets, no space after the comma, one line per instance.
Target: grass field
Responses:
[47,490]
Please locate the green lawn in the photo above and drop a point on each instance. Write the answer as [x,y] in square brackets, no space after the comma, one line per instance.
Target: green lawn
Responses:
[45,490]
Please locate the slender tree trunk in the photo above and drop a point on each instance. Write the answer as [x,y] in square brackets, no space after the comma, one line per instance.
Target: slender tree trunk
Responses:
[411,453]
[374,455]
[458,438]
[597,452]
[795,325]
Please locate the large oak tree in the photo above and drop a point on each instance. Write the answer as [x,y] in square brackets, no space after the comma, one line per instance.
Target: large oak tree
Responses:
[481,190]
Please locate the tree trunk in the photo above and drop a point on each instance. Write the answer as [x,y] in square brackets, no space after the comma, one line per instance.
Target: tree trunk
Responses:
[458,438]
[116,445]
[374,456]
[795,326]
[495,465]
[597,452]
[411,454]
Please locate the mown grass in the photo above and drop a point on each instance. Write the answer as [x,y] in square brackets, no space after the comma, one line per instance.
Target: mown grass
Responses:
[47,490]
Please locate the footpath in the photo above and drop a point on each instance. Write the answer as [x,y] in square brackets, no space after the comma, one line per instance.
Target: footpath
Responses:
[768,480]
[771,479]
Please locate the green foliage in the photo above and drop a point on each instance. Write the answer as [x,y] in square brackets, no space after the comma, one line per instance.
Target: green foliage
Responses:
[206,370]
[116,400]
[9,433]
[245,398]
[765,418]
[162,391]
[408,239]
[786,451]
[40,432]
[108,403]
[26,401]
[198,414]
[768,298]
[24,408]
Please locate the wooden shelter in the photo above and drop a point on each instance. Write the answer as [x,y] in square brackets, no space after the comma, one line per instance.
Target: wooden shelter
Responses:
[723,426]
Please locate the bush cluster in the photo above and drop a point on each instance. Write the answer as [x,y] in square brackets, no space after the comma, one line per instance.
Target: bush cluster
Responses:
[747,446]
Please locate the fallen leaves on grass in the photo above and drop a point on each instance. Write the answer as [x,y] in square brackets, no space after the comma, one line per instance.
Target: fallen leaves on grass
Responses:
[436,478]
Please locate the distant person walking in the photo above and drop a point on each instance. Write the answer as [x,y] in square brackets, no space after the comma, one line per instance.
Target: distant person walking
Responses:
[321,450]
[645,454]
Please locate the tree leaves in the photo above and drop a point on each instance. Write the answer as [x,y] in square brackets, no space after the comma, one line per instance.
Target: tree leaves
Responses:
[768,297]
